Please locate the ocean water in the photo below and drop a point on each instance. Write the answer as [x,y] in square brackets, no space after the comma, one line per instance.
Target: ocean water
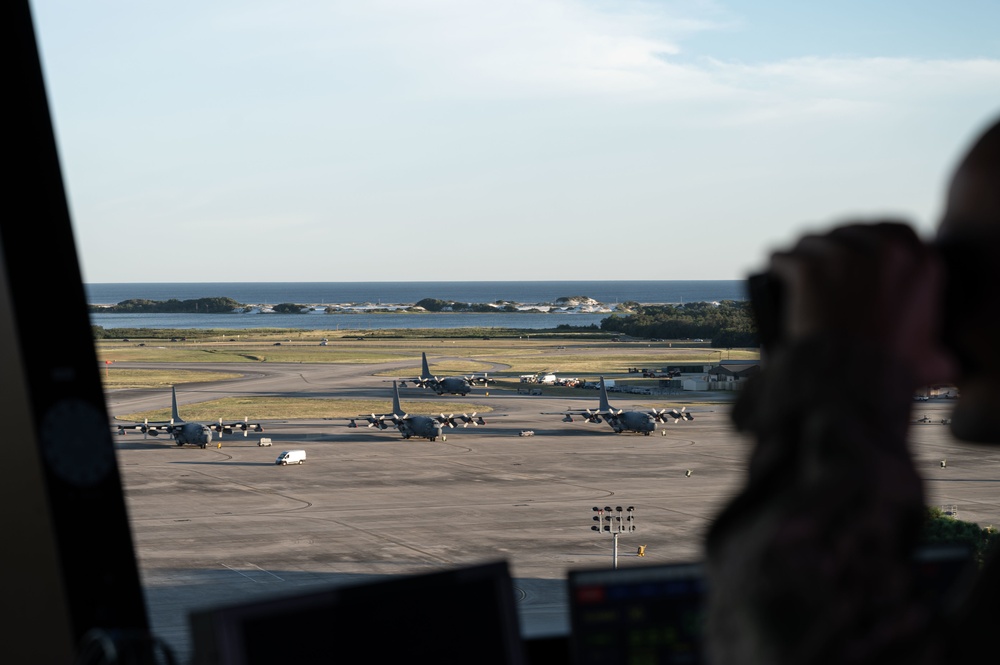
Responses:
[395,293]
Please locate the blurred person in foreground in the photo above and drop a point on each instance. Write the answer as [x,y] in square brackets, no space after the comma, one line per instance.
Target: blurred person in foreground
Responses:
[811,561]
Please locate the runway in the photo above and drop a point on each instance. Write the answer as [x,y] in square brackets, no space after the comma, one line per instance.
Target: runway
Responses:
[226,524]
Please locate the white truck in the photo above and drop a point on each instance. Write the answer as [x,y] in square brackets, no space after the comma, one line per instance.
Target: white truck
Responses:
[291,457]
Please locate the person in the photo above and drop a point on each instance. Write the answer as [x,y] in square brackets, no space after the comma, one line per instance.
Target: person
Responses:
[811,561]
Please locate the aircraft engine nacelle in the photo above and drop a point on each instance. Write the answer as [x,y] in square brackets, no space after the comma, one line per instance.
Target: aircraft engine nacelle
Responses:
[594,419]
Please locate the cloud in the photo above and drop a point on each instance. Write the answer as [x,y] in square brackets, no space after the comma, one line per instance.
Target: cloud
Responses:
[621,52]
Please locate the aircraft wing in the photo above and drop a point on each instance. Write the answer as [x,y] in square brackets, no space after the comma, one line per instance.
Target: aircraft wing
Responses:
[146,427]
[590,415]
[379,420]
[666,415]
[465,419]
[240,425]
[418,381]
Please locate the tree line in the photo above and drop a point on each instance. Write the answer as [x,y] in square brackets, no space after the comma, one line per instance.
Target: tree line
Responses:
[727,324]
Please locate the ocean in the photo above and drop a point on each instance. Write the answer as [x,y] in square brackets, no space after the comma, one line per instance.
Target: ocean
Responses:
[321,294]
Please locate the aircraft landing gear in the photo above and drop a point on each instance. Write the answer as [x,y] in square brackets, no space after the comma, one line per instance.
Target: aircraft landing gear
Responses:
[645,433]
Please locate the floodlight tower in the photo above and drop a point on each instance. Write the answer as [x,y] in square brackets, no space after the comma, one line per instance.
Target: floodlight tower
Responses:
[610,520]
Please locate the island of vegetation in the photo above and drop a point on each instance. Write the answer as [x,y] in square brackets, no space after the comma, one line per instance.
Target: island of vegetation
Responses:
[172,306]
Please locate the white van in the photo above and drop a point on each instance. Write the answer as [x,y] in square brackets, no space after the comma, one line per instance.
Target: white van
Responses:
[291,457]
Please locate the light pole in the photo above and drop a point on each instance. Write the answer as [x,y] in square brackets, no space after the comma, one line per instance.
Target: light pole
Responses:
[611,521]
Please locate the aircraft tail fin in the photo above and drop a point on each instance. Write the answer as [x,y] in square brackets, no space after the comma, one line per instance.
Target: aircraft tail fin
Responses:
[425,371]
[174,416]
[396,409]
[605,405]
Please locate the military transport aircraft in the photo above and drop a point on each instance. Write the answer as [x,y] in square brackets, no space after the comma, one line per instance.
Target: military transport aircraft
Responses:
[422,427]
[622,420]
[193,433]
[452,385]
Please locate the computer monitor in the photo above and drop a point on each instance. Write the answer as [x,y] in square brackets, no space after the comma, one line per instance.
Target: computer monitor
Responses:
[646,614]
[461,615]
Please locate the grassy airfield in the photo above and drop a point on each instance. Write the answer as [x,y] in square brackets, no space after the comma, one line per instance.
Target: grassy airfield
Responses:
[585,356]
[570,355]
[290,408]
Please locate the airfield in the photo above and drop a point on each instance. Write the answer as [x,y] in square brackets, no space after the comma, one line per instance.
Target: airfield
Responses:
[225,524]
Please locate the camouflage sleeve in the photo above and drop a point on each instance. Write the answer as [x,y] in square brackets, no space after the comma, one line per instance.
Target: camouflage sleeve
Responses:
[809,562]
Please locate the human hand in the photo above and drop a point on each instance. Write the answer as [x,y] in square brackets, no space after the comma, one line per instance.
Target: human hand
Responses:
[876,284]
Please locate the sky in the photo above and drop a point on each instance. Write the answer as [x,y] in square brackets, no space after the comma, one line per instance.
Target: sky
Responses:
[461,140]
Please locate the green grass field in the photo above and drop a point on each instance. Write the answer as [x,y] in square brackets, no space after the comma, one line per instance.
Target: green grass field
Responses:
[584,357]
[290,408]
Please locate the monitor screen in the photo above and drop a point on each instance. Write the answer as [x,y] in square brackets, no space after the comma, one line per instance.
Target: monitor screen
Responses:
[648,614]
[464,615]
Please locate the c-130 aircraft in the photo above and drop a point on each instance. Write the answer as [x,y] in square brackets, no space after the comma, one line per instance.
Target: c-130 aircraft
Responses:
[452,385]
[621,420]
[422,427]
[183,432]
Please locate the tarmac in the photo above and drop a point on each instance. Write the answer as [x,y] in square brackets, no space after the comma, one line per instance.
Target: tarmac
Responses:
[226,525]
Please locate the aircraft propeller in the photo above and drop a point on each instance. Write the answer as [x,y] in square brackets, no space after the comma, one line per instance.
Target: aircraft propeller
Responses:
[467,420]
[221,428]
[680,415]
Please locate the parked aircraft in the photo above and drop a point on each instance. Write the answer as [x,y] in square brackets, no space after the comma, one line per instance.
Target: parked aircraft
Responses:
[197,434]
[452,385]
[621,420]
[422,427]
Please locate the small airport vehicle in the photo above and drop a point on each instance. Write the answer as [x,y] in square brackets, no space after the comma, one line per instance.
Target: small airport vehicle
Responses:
[291,457]
[527,432]
[264,441]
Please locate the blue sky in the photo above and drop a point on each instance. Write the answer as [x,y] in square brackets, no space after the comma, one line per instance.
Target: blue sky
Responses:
[481,140]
